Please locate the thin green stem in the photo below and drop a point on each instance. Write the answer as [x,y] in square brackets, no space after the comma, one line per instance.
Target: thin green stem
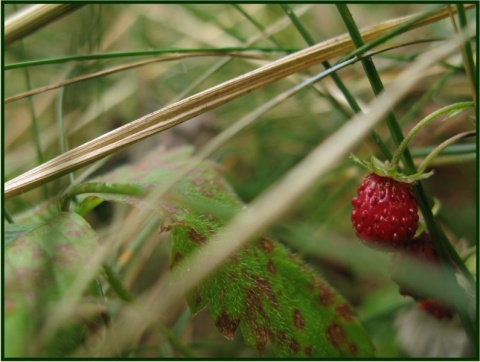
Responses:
[455,160]
[102,188]
[113,55]
[441,147]
[7,216]
[175,342]
[117,285]
[257,25]
[462,149]
[333,100]
[62,134]
[298,24]
[203,14]
[335,77]
[392,33]
[137,244]
[371,72]
[404,144]
[468,53]
[62,137]
[34,124]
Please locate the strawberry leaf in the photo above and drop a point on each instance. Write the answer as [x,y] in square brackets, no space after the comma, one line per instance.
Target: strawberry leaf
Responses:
[41,262]
[263,289]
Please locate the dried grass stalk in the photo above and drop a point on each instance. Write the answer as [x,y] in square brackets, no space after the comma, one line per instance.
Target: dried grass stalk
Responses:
[197,104]
[33,18]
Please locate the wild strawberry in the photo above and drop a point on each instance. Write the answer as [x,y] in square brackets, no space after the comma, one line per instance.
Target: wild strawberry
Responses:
[421,249]
[385,212]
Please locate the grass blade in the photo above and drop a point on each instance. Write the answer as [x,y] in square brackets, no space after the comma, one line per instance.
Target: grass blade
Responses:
[468,53]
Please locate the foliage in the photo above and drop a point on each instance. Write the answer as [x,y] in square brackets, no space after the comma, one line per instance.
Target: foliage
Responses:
[263,289]
[41,263]
[83,254]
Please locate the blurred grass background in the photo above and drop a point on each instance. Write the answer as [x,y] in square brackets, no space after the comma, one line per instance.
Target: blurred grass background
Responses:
[255,158]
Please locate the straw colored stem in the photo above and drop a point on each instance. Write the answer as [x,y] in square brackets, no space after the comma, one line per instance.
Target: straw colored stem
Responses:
[33,18]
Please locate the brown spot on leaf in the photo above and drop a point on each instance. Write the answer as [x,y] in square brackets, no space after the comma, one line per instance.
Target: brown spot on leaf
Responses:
[67,255]
[353,348]
[267,245]
[197,299]
[308,350]
[264,288]
[345,312]
[254,305]
[74,233]
[222,297]
[196,237]
[227,325]
[204,186]
[261,338]
[271,335]
[326,296]
[271,268]
[210,217]
[292,257]
[176,259]
[294,346]
[298,320]
[292,343]
[282,338]
[335,335]
[169,209]
[255,317]
[249,251]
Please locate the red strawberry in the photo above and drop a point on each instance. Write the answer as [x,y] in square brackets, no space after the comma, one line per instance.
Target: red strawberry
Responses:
[385,211]
[423,250]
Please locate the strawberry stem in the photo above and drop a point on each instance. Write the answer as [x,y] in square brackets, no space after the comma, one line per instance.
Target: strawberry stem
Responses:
[403,145]
[431,156]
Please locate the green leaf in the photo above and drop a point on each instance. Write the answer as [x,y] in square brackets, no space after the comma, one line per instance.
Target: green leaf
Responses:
[15,231]
[41,261]
[263,290]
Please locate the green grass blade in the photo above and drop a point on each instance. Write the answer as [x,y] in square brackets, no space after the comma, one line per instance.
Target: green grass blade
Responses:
[390,34]
[256,24]
[336,78]
[7,216]
[151,52]
[468,53]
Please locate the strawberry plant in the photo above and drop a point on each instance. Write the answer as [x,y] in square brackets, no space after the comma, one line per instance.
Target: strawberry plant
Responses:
[385,211]
[177,180]
[385,214]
